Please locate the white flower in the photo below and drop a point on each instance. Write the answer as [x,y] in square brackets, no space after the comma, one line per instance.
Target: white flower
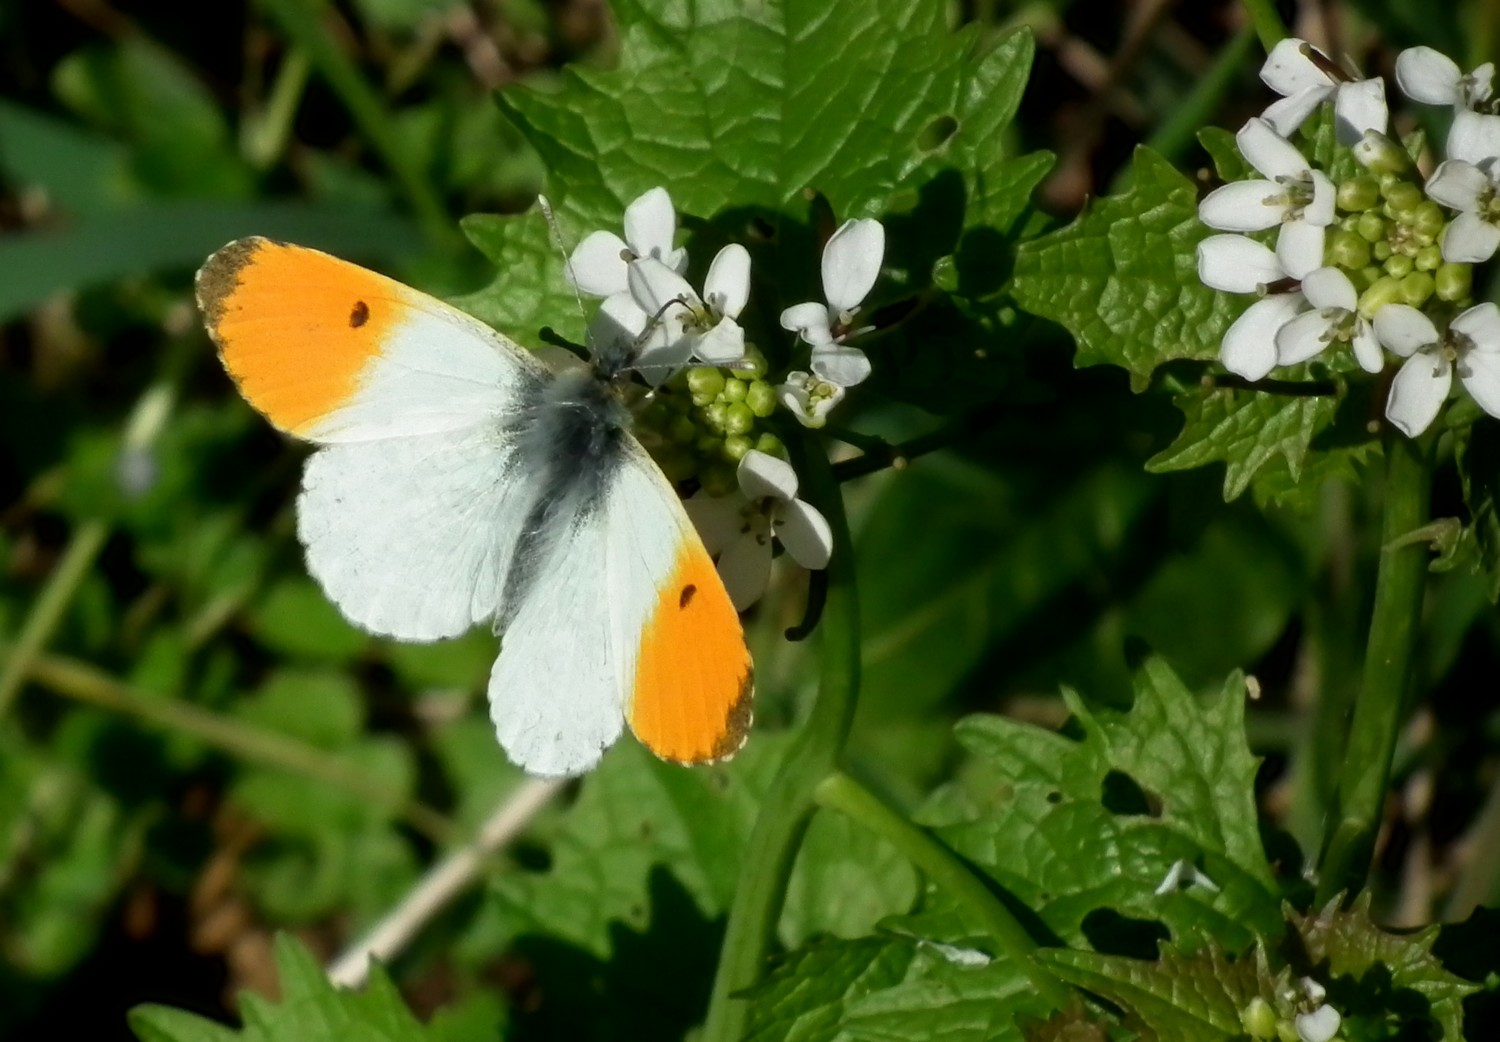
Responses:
[1235,264]
[1334,316]
[1305,78]
[1433,78]
[1295,196]
[599,266]
[809,398]
[1318,1026]
[698,327]
[737,529]
[851,263]
[1473,235]
[1472,344]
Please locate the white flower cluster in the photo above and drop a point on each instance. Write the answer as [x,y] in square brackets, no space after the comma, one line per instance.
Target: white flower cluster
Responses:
[1375,262]
[652,315]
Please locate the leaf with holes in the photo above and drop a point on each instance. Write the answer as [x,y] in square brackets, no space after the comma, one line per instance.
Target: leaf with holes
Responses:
[739,109]
[1126,829]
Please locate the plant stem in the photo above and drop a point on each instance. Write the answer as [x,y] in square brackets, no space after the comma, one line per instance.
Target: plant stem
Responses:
[1268,24]
[946,871]
[1177,133]
[83,683]
[813,755]
[1399,583]
[300,20]
[877,454]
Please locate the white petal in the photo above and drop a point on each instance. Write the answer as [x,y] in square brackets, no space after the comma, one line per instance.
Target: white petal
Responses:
[650,223]
[1359,107]
[722,344]
[1330,288]
[597,266]
[1249,347]
[1418,392]
[654,286]
[1404,329]
[796,397]
[1270,153]
[1482,379]
[851,262]
[1325,196]
[727,286]
[1235,264]
[1481,85]
[1318,1026]
[1469,239]
[1289,113]
[1299,247]
[1288,71]
[1474,138]
[1366,346]
[1244,206]
[745,567]
[1428,76]
[720,520]
[1481,324]
[1302,338]
[809,321]
[1457,183]
[804,532]
[619,314]
[762,475]
[844,366]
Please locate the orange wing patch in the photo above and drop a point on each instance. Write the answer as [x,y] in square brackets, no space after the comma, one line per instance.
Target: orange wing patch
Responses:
[692,679]
[294,326]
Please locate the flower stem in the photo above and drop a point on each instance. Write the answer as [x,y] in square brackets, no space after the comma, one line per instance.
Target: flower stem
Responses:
[813,756]
[1268,24]
[946,871]
[84,683]
[1399,582]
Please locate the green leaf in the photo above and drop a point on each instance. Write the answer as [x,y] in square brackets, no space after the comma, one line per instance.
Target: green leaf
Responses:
[877,106]
[1246,430]
[1200,997]
[294,618]
[845,882]
[1085,827]
[311,1009]
[1375,977]
[1123,277]
[1225,153]
[804,998]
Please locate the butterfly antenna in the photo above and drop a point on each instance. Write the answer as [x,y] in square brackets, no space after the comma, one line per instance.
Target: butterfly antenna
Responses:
[562,248]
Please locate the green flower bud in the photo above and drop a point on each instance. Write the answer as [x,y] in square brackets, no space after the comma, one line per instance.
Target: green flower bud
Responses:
[1398,264]
[754,365]
[1360,193]
[1365,277]
[713,415]
[1404,197]
[1259,1019]
[770,445]
[708,444]
[1429,257]
[1454,282]
[1348,250]
[1385,290]
[1428,218]
[705,383]
[1416,288]
[761,398]
[1286,1031]
[734,391]
[738,419]
[736,445]
[1381,251]
[676,463]
[1371,226]
[1381,156]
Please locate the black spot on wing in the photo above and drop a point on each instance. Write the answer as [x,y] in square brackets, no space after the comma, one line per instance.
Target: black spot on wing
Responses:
[686,597]
[360,315]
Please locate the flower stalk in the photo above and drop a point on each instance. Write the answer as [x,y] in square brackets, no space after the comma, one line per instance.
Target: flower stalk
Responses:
[1350,844]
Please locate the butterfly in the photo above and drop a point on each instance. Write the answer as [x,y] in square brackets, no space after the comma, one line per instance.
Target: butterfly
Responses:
[458,480]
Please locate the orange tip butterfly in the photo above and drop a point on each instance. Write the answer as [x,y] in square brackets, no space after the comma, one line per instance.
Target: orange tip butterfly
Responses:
[458,480]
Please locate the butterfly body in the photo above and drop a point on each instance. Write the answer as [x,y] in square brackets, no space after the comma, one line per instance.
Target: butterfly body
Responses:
[459,481]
